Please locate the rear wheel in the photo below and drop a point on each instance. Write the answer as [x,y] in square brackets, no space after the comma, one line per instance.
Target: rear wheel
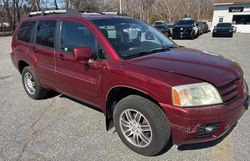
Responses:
[141,125]
[32,85]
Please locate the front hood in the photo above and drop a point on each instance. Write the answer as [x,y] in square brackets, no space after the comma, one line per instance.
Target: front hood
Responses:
[193,63]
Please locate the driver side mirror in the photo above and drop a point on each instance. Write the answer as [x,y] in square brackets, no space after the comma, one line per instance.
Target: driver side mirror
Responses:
[82,53]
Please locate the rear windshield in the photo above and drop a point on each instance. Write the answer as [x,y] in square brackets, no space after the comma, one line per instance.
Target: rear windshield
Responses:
[185,22]
[224,25]
[25,31]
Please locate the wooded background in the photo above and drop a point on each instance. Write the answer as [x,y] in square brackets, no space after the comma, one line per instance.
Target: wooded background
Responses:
[12,11]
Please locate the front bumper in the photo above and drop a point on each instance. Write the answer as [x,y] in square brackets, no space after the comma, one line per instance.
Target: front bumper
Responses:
[186,123]
[222,33]
[182,34]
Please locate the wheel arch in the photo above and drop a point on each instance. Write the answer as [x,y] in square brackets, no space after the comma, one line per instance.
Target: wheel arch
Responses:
[22,64]
[117,93]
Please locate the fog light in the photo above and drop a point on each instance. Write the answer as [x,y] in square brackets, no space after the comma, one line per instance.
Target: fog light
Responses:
[207,130]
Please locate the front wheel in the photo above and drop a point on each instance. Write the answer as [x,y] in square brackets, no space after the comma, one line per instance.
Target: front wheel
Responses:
[141,125]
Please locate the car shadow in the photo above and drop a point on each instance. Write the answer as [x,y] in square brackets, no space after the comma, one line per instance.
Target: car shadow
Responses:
[50,94]
[196,146]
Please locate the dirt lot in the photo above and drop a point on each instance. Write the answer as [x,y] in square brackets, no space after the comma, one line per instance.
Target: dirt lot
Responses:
[61,129]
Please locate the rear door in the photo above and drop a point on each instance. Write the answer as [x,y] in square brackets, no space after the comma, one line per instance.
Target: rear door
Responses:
[43,50]
[76,78]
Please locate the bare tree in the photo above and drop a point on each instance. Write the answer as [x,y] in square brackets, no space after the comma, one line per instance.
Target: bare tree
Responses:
[12,11]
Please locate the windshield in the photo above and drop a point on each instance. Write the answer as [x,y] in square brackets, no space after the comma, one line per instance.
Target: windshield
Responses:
[132,37]
[185,22]
[224,25]
[160,26]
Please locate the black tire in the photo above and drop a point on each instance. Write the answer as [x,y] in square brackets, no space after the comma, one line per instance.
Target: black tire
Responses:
[40,92]
[192,36]
[156,118]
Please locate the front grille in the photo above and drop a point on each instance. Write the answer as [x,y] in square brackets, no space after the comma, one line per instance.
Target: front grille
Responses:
[230,91]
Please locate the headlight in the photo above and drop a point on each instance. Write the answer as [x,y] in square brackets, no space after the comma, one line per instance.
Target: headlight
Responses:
[214,30]
[198,94]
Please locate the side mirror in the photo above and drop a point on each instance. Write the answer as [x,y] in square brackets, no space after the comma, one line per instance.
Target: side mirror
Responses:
[82,53]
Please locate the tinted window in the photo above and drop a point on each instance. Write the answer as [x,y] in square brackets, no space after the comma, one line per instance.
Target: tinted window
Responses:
[185,22]
[75,35]
[158,23]
[241,19]
[25,31]
[45,33]
[224,25]
[160,27]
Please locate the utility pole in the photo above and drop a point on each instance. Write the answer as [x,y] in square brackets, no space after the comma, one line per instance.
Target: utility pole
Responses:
[14,15]
[120,6]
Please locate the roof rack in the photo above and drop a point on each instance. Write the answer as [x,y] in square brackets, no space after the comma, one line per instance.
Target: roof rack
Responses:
[53,12]
[70,12]
[90,13]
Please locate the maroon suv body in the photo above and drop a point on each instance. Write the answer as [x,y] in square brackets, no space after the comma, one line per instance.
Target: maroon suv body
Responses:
[98,75]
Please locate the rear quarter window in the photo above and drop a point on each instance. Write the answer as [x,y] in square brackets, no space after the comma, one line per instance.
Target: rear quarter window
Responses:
[25,31]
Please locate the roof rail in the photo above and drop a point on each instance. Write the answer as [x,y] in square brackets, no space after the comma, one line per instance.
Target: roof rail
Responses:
[90,13]
[53,12]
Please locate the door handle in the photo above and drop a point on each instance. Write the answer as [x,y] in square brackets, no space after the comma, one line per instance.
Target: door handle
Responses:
[60,57]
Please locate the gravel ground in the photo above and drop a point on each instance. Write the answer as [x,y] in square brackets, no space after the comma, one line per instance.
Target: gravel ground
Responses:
[61,129]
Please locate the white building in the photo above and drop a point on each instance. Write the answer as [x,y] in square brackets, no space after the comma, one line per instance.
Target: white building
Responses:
[234,11]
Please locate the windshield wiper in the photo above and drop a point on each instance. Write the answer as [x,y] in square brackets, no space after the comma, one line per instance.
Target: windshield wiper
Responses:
[147,52]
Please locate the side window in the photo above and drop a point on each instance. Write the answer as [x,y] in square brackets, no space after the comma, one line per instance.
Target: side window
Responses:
[75,35]
[45,33]
[25,31]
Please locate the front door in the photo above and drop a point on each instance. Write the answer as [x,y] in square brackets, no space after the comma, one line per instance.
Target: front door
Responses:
[76,78]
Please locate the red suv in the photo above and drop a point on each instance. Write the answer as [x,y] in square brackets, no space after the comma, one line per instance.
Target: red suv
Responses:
[152,90]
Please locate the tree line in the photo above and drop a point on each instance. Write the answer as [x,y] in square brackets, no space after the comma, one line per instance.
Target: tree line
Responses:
[12,11]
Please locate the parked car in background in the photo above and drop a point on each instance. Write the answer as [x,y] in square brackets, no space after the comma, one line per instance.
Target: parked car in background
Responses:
[170,26]
[163,28]
[205,27]
[186,28]
[153,91]
[159,23]
[223,29]
[200,27]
